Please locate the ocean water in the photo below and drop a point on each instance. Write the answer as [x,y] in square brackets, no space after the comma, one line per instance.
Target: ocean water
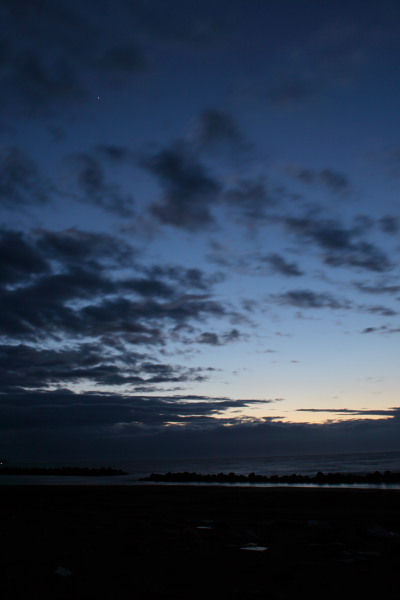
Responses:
[265,465]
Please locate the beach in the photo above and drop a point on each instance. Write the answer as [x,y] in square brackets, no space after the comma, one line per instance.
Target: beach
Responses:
[172,541]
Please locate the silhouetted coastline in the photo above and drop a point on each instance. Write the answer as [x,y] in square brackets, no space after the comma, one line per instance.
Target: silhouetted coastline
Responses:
[377,477]
[84,471]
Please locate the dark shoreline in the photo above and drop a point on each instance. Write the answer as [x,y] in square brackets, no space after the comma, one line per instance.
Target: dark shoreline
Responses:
[180,542]
[62,471]
[374,478]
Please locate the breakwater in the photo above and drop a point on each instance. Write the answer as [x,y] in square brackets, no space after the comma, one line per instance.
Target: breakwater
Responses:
[376,477]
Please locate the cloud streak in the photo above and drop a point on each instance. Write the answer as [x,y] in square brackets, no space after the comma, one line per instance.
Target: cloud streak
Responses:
[309,299]
[341,246]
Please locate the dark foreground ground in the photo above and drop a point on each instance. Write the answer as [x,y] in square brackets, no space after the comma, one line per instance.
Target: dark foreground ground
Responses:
[186,542]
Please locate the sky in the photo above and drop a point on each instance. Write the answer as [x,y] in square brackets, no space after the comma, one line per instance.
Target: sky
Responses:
[199,228]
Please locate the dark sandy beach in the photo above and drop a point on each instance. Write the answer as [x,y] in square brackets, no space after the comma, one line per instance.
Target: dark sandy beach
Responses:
[187,542]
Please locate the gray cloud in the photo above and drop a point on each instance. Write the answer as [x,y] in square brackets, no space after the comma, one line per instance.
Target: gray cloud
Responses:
[254,264]
[335,182]
[387,158]
[67,321]
[379,310]
[189,190]
[341,246]
[39,368]
[310,299]
[388,412]
[100,415]
[109,426]
[280,265]
[82,302]
[382,329]
[214,339]
[116,154]
[75,246]
[362,255]
[217,127]
[64,283]
[252,199]
[93,187]
[54,53]
[21,181]
[191,278]
[195,28]
[377,288]
[291,92]
[121,58]
[52,49]
[18,259]
[390,224]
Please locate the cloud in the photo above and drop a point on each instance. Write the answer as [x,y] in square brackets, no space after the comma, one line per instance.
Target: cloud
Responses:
[59,254]
[209,338]
[75,284]
[334,181]
[86,363]
[74,246]
[387,158]
[189,190]
[322,60]
[37,83]
[281,266]
[18,259]
[55,54]
[196,28]
[213,339]
[253,264]
[115,154]
[149,288]
[388,412]
[78,312]
[29,77]
[382,329]
[390,224]
[83,302]
[191,278]
[363,255]
[379,310]
[54,51]
[113,426]
[40,367]
[309,299]
[328,234]
[21,182]
[251,199]
[100,415]
[292,92]
[121,58]
[340,245]
[275,438]
[316,300]
[93,187]
[377,288]
[217,127]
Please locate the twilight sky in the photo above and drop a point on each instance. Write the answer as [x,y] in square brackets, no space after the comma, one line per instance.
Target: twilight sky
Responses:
[199,227]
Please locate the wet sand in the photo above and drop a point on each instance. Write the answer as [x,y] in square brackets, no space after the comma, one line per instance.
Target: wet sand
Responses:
[187,542]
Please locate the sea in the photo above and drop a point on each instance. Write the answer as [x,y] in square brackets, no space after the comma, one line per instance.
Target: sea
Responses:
[137,469]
